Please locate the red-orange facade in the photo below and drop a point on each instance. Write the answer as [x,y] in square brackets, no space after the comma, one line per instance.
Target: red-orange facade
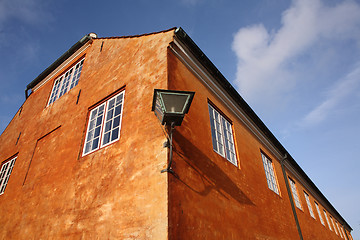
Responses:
[82,157]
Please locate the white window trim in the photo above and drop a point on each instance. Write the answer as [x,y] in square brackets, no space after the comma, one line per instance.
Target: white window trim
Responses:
[71,79]
[337,225]
[332,221]
[295,193]
[270,174]
[342,230]
[102,125]
[327,219]
[319,213]
[5,174]
[222,137]
[307,198]
[121,114]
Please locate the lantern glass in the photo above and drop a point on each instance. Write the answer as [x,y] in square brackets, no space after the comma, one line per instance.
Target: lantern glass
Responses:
[171,106]
[174,102]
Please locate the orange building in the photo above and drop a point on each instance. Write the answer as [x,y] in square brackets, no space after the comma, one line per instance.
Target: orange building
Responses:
[82,157]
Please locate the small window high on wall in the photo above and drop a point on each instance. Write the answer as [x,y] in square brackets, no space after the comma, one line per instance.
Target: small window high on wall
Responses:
[270,174]
[6,169]
[66,82]
[295,193]
[309,204]
[319,213]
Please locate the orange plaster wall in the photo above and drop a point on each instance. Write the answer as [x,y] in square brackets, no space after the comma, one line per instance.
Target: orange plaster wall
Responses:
[116,192]
[313,228]
[210,198]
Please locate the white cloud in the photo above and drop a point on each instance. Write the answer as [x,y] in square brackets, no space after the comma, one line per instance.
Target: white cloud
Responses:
[342,89]
[264,74]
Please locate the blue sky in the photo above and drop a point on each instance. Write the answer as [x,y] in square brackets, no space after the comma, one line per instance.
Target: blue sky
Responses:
[297,63]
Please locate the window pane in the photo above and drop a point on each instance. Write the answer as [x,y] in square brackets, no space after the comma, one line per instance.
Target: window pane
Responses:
[319,213]
[327,220]
[309,204]
[109,114]
[270,174]
[97,131]
[229,141]
[94,129]
[104,124]
[116,122]
[99,120]
[95,144]
[92,124]
[117,110]
[107,126]
[76,75]
[6,170]
[65,85]
[294,193]
[90,135]
[111,103]
[66,82]
[115,134]
[119,99]
[111,131]
[106,138]
[88,147]
[55,91]
[216,134]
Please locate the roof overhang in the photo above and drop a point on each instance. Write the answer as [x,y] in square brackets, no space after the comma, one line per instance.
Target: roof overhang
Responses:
[58,62]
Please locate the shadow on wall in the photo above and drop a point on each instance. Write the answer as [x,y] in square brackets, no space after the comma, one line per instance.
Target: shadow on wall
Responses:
[212,177]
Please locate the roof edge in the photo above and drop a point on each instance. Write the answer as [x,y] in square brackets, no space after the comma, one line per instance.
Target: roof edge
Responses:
[140,35]
[211,68]
[58,62]
[72,50]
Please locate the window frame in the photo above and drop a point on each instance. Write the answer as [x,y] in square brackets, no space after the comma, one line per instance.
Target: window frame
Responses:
[295,193]
[104,120]
[332,221]
[319,213]
[5,173]
[327,219]
[66,81]
[307,199]
[267,163]
[342,230]
[224,136]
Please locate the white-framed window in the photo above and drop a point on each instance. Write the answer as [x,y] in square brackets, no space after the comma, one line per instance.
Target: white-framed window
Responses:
[222,135]
[104,124]
[331,219]
[270,174]
[309,204]
[342,231]
[295,193]
[5,172]
[319,213]
[327,220]
[339,228]
[66,82]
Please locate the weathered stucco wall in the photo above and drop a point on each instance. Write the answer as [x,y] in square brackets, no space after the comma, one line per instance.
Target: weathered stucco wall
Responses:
[310,227]
[116,192]
[210,198]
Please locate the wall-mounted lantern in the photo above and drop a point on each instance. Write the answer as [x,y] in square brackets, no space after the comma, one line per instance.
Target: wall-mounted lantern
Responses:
[170,108]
